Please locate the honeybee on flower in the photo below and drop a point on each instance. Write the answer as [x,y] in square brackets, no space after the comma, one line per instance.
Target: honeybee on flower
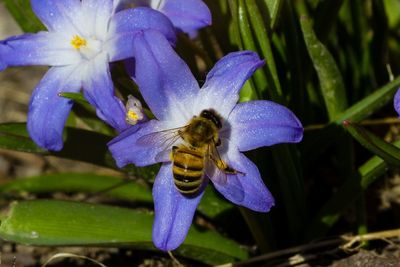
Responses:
[174,97]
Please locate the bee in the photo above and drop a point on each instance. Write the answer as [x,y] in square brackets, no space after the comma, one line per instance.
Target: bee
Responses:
[197,154]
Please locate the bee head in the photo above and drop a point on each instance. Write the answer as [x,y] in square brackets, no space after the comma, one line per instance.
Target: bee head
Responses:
[212,115]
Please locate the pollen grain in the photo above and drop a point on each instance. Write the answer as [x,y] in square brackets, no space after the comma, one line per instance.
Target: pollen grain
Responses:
[77,42]
[131,115]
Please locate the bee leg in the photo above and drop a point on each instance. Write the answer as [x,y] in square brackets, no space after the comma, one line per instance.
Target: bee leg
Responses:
[230,170]
[223,166]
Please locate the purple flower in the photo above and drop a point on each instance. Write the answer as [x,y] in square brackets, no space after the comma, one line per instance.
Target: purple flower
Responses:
[397,101]
[186,15]
[174,96]
[82,38]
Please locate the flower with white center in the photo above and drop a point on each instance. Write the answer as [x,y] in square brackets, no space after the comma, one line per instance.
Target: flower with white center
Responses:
[173,95]
[186,15]
[82,38]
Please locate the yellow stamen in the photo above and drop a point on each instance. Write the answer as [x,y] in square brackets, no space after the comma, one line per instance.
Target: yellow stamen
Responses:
[77,42]
[133,116]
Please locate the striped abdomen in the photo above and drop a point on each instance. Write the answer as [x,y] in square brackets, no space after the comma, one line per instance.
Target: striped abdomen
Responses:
[188,169]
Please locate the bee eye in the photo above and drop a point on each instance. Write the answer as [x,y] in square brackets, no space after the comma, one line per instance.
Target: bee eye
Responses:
[211,115]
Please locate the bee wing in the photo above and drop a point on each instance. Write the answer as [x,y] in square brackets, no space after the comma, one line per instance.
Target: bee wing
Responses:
[214,163]
[163,139]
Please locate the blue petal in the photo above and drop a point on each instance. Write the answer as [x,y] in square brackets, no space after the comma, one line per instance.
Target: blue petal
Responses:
[57,15]
[127,22]
[173,212]
[397,101]
[263,123]
[164,79]
[188,15]
[47,110]
[125,148]
[225,80]
[42,48]
[3,64]
[255,194]
[99,91]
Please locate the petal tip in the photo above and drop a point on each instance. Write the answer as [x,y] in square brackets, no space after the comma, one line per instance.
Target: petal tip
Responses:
[164,244]
[397,101]
[48,139]
[264,204]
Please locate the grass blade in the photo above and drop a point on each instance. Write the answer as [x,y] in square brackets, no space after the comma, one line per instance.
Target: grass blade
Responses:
[370,104]
[81,145]
[211,204]
[274,8]
[264,42]
[82,224]
[22,12]
[330,79]
[384,150]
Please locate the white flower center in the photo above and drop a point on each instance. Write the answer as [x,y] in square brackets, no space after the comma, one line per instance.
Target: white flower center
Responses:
[87,47]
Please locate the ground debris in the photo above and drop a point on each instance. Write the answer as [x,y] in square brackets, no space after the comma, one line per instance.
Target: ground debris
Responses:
[366,258]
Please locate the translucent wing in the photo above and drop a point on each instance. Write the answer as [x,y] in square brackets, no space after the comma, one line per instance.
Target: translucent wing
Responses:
[215,166]
[162,140]
[214,173]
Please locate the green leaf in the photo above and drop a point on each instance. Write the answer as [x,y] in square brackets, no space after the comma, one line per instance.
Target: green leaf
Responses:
[357,112]
[234,32]
[81,145]
[62,223]
[330,79]
[211,204]
[246,35]
[376,145]
[14,136]
[264,42]
[274,7]
[80,182]
[392,7]
[370,104]
[22,12]
[248,92]
[77,97]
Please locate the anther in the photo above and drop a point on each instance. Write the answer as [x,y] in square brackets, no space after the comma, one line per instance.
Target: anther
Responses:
[77,42]
[134,110]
